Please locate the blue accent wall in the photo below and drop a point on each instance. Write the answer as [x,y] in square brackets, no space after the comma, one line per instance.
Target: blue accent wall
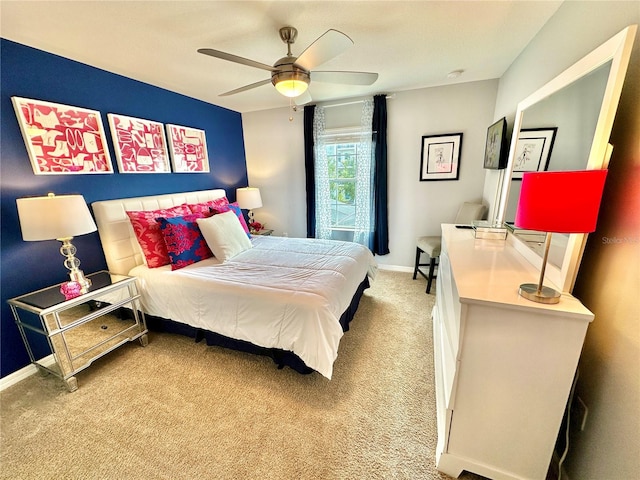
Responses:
[27,72]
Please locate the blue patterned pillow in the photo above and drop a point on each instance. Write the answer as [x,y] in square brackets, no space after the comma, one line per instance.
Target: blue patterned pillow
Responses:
[184,241]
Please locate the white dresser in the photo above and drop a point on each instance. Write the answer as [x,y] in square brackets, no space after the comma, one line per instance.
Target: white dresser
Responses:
[504,365]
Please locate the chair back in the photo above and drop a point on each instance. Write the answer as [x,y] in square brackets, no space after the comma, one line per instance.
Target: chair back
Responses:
[469,211]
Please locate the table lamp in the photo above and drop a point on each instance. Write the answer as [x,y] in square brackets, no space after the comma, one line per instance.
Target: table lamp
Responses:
[58,217]
[557,202]
[249,198]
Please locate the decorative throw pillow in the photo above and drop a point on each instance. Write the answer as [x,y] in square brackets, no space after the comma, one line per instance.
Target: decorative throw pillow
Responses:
[206,207]
[224,235]
[148,233]
[184,241]
[235,208]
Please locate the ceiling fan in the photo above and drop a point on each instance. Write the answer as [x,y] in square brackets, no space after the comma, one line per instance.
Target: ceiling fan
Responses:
[291,75]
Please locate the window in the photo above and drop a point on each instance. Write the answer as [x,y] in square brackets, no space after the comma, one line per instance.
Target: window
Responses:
[346,172]
[342,159]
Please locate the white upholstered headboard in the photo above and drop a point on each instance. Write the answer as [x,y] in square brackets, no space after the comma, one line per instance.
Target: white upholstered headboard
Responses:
[119,243]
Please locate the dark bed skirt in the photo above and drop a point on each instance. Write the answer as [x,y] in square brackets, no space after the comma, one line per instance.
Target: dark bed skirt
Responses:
[281,357]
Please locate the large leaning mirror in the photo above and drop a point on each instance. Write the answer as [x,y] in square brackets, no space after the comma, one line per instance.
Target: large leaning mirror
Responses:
[565,125]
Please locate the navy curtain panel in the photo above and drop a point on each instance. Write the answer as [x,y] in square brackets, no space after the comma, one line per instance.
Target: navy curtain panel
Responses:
[309,164]
[381,216]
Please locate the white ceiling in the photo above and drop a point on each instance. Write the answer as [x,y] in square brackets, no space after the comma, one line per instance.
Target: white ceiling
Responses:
[411,44]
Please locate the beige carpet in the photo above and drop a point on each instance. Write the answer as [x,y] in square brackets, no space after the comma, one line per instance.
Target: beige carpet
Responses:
[180,410]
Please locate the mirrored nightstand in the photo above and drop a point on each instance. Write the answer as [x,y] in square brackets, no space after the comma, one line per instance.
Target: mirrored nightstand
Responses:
[80,330]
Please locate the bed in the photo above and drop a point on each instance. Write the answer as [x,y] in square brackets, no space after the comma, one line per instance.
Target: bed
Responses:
[289,298]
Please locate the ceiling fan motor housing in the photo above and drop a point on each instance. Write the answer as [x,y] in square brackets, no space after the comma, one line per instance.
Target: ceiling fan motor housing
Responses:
[285,69]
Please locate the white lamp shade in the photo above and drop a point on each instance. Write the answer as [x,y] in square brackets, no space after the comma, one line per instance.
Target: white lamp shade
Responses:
[53,217]
[248,198]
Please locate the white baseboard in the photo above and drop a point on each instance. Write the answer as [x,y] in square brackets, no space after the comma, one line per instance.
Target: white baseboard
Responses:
[395,268]
[15,377]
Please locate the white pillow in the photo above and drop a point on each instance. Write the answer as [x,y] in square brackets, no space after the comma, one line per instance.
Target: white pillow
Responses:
[224,235]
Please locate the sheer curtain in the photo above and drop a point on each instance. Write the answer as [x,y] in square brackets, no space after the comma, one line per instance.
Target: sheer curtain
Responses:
[364,221]
[323,187]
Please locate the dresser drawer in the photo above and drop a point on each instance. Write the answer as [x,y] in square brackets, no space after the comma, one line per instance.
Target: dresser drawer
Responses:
[448,303]
[445,359]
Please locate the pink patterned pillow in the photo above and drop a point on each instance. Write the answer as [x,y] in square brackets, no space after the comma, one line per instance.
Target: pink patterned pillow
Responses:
[206,207]
[148,233]
[236,209]
[185,243]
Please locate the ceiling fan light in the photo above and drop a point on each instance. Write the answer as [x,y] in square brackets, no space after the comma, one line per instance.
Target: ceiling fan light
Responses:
[292,88]
[291,82]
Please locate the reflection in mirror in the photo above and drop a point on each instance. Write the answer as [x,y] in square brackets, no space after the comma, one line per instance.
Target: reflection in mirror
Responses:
[581,103]
[573,111]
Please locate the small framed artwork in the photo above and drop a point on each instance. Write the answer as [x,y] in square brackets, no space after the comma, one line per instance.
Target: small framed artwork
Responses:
[62,139]
[140,145]
[440,159]
[496,149]
[188,147]
[533,150]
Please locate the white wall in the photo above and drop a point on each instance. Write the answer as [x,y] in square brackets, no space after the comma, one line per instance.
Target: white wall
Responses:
[609,278]
[418,208]
[275,163]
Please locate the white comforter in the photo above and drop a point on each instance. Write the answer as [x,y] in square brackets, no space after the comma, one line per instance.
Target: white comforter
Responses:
[285,293]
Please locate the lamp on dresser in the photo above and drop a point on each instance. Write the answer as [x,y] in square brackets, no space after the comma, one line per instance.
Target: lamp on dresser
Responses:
[58,217]
[557,202]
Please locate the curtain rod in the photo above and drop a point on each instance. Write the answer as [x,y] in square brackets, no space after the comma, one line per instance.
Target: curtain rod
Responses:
[389,97]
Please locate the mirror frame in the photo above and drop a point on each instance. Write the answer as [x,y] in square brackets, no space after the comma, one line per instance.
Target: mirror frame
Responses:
[617,50]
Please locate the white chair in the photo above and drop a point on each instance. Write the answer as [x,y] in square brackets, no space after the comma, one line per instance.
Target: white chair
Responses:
[467,213]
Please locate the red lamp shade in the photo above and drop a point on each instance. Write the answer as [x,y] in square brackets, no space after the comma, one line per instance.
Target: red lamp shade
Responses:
[560,202]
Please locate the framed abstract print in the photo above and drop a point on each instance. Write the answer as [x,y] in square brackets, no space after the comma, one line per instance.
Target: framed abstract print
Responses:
[188,147]
[140,145]
[62,139]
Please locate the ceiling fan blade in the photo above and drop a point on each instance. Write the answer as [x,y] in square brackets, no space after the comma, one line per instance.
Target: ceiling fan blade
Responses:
[347,78]
[303,99]
[234,58]
[330,44]
[245,88]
